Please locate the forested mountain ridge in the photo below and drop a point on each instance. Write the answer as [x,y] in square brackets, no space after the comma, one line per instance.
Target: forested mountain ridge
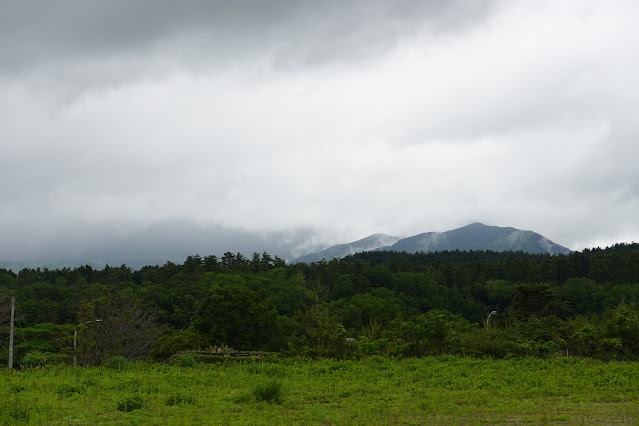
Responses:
[371,242]
[478,236]
[475,236]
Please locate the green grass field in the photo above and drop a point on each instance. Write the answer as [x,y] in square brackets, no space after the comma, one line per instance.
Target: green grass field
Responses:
[444,390]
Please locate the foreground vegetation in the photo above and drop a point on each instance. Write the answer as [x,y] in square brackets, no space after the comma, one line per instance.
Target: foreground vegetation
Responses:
[433,390]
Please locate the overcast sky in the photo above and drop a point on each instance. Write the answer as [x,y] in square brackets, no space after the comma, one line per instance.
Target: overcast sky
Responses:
[351,118]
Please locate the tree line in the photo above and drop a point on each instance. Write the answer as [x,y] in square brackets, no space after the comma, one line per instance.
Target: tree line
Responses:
[380,302]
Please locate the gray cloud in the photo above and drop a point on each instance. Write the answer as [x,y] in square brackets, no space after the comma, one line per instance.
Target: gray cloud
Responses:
[396,117]
[36,32]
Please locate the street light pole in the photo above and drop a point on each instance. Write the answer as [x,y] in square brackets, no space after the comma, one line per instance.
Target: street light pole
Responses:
[488,319]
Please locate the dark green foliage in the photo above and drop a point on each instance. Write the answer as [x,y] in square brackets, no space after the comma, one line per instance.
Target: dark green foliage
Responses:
[433,333]
[118,363]
[375,303]
[583,296]
[236,316]
[169,345]
[67,390]
[622,324]
[533,300]
[17,389]
[186,361]
[317,333]
[131,403]
[17,412]
[34,359]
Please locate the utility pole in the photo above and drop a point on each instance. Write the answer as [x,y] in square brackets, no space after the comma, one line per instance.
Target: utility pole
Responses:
[13,313]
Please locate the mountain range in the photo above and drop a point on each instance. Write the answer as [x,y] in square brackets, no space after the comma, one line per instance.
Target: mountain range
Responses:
[475,236]
[175,240]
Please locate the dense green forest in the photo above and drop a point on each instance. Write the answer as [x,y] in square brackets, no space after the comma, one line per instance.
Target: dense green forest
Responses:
[374,303]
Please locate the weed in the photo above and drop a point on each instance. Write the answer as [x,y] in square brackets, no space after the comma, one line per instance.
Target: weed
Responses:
[150,389]
[13,411]
[66,390]
[132,385]
[253,368]
[186,361]
[180,400]
[131,403]
[17,389]
[19,413]
[268,391]
[116,363]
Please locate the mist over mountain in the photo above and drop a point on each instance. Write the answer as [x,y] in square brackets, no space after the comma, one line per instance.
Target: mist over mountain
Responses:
[371,242]
[157,243]
[476,236]
[137,246]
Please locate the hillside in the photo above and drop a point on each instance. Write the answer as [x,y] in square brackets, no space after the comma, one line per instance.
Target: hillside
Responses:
[476,236]
[369,243]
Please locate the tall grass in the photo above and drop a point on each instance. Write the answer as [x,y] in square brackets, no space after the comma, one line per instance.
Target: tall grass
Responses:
[438,390]
[268,391]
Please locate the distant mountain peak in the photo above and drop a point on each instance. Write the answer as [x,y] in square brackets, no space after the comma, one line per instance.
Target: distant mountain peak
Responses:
[475,236]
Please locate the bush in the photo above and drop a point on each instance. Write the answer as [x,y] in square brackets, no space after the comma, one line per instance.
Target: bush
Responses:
[269,391]
[186,361]
[131,403]
[167,346]
[17,389]
[34,359]
[66,390]
[116,363]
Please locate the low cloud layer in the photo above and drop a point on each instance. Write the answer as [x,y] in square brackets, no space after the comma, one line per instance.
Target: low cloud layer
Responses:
[349,120]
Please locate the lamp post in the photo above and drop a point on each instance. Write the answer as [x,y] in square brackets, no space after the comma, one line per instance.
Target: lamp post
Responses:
[488,319]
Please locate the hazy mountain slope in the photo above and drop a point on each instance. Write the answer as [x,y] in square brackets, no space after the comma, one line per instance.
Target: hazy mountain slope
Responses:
[478,236]
[475,236]
[371,242]
[174,240]
[171,240]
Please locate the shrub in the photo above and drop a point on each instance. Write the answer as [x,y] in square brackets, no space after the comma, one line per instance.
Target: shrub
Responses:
[269,391]
[66,390]
[17,389]
[253,368]
[186,361]
[131,403]
[34,359]
[115,363]
[166,346]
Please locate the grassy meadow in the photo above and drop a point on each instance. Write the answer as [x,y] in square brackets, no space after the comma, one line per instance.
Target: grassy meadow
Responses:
[376,390]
